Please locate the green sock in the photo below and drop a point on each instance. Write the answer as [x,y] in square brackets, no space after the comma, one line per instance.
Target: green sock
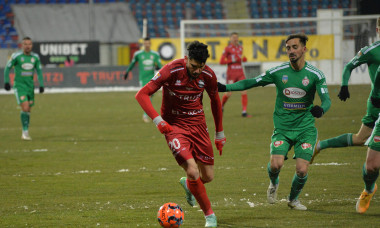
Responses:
[297,185]
[25,118]
[339,141]
[273,176]
[369,179]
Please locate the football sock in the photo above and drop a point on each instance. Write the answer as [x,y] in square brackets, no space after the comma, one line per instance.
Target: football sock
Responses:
[198,190]
[224,99]
[339,141]
[273,176]
[297,185]
[25,118]
[244,102]
[369,179]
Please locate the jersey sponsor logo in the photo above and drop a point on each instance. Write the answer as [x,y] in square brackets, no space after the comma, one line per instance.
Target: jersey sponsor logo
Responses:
[305,145]
[376,139]
[294,106]
[201,83]
[278,143]
[156,76]
[27,73]
[305,81]
[285,79]
[293,92]
[190,113]
[148,62]
[27,66]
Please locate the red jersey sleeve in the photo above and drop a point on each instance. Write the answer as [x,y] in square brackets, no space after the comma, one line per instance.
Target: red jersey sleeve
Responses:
[143,95]
[224,57]
[216,105]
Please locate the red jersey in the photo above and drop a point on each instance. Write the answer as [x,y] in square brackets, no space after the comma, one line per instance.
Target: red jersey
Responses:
[233,56]
[182,95]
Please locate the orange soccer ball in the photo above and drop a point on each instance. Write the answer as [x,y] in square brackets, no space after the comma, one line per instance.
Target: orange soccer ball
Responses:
[170,215]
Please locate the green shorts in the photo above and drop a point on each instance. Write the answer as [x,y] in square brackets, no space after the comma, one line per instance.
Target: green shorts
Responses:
[372,114]
[302,140]
[24,94]
[373,142]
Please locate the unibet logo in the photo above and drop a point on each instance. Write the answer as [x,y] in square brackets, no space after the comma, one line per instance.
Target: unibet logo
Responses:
[27,66]
[293,92]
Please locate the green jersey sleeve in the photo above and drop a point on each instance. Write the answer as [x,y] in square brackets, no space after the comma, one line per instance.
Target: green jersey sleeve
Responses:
[134,60]
[39,71]
[261,80]
[368,55]
[8,67]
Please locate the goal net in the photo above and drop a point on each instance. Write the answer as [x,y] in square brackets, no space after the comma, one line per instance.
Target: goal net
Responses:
[334,40]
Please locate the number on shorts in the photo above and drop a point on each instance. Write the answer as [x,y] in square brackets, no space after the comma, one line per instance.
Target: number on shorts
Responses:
[174,144]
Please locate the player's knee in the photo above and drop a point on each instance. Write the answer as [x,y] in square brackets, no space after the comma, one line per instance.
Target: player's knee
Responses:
[192,173]
[207,178]
[372,167]
[301,172]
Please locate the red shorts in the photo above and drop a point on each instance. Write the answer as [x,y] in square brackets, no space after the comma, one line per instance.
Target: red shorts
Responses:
[191,141]
[235,76]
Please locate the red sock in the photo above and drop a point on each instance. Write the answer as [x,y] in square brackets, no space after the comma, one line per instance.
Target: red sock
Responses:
[224,99]
[244,102]
[198,190]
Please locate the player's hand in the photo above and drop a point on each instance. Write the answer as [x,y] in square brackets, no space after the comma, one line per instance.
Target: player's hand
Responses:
[126,75]
[220,140]
[162,125]
[343,93]
[221,87]
[375,102]
[317,111]
[7,86]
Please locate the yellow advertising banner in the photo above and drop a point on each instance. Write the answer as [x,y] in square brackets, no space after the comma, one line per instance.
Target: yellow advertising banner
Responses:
[256,49]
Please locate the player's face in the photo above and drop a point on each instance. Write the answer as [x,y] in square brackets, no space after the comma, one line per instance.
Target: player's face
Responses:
[27,46]
[194,68]
[234,39]
[147,45]
[295,50]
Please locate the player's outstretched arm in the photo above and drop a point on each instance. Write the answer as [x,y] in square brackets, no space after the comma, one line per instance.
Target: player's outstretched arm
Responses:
[142,97]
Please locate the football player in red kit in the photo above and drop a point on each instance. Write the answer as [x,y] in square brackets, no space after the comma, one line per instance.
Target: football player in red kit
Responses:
[183,123]
[233,57]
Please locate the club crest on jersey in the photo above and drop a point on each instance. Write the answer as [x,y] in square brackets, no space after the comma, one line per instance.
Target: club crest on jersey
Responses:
[305,145]
[278,143]
[305,81]
[201,84]
[22,97]
[22,59]
[284,79]
[156,76]
[376,139]
[178,83]
[32,60]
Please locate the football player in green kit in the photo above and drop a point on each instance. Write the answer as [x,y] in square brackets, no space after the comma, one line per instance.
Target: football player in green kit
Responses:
[371,56]
[24,62]
[148,61]
[372,164]
[294,125]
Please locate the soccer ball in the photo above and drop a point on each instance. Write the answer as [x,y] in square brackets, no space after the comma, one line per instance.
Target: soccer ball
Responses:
[170,215]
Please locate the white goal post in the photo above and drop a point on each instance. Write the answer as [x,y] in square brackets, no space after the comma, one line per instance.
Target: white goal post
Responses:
[344,31]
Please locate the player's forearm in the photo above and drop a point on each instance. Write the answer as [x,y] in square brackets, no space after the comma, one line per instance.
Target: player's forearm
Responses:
[325,102]
[40,78]
[143,97]
[6,75]
[242,85]
[217,113]
[131,65]
[347,73]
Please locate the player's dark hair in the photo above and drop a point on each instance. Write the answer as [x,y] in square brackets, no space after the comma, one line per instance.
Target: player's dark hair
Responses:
[147,38]
[303,38]
[26,38]
[197,51]
[234,33]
